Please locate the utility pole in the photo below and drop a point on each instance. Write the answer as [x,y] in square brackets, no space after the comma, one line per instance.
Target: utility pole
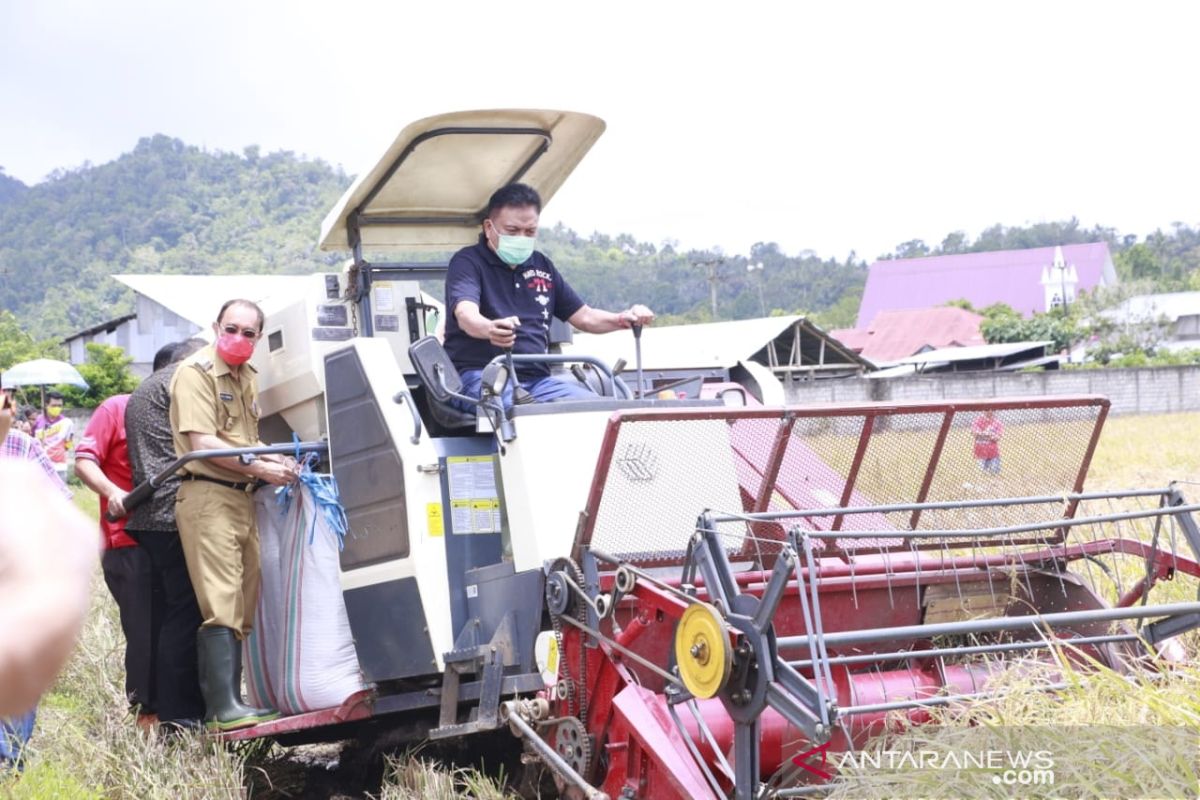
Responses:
[752,268]
[711,264]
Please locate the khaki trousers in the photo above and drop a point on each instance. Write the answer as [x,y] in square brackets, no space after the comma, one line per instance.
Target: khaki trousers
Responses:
[220,544]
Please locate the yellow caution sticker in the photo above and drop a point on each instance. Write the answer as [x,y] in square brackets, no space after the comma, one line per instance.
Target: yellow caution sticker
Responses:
[433,514]
[545,653]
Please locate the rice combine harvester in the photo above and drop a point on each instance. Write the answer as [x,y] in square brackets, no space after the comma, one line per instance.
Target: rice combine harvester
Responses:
[676,598]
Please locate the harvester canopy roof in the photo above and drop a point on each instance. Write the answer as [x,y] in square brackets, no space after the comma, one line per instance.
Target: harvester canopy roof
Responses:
[430,188]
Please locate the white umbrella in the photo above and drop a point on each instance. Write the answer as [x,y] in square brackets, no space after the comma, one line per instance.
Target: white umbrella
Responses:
[41,372]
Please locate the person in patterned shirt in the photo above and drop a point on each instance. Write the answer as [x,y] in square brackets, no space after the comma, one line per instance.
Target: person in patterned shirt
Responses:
[175,614]
[55,432]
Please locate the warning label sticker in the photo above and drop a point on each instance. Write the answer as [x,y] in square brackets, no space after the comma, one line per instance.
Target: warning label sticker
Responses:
[474,505]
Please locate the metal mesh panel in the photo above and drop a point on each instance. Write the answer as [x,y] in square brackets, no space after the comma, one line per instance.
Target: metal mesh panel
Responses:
[660,477]
[663,470]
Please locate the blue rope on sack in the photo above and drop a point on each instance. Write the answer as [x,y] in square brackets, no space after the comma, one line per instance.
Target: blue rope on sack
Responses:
[325,494]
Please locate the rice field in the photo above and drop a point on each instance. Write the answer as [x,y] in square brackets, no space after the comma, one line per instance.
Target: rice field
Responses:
[86,745]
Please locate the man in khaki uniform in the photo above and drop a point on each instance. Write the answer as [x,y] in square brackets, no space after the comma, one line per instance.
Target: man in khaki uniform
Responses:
[214,406]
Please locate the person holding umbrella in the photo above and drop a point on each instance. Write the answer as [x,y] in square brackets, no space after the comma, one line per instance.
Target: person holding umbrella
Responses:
[56,432]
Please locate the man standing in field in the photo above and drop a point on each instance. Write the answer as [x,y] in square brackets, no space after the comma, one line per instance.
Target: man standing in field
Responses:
[173,611]
[214,406]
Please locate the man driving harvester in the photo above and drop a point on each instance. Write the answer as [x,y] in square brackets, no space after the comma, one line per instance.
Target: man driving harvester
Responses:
[501,293]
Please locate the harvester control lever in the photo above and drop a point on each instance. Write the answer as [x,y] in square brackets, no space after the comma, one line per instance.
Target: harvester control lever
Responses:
[637,347]
[521,395]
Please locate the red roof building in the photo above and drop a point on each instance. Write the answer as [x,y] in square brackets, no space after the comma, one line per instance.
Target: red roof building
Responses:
[893,335]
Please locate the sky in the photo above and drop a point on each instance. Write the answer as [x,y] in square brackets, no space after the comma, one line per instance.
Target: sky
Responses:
[832,126]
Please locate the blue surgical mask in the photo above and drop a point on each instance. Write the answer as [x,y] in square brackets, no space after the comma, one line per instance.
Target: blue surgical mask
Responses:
[514,250]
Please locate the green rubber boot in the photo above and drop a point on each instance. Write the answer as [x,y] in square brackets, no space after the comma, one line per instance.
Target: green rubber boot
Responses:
[220,655]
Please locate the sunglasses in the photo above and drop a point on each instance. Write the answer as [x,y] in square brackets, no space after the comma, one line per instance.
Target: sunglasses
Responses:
[233,330]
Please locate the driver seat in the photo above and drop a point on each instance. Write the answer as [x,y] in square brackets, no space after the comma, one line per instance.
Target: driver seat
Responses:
[434,368]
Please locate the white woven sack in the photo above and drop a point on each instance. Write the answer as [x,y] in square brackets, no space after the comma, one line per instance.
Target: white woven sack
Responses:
[261,649]
[319,667]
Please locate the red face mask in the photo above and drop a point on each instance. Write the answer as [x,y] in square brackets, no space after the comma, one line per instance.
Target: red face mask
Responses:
[234,349]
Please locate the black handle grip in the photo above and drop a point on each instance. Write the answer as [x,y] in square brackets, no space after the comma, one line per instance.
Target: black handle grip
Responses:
[134,499]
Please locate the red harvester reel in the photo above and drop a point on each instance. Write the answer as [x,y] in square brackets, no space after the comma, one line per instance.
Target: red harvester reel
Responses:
[725,661]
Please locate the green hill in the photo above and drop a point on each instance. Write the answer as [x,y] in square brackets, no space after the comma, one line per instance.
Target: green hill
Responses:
[10,188]
[169,207]
[164,207]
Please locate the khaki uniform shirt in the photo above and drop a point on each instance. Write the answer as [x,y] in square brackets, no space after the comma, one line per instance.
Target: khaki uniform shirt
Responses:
[205,398]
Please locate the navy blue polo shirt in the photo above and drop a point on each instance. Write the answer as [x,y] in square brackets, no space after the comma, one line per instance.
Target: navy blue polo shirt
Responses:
[533,292]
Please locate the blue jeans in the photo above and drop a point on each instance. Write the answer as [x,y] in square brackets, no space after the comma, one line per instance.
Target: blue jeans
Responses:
[544,390]
[14,733]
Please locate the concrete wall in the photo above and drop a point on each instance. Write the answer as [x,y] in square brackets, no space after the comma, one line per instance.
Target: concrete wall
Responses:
[1149,390]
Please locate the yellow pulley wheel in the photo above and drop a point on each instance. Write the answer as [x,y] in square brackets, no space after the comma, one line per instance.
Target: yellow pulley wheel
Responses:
[702,650]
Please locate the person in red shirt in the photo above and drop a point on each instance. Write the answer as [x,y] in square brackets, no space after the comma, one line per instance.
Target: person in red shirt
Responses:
[102,463]
[987,431]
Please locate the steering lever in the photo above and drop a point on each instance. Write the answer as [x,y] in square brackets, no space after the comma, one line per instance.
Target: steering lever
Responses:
[637,346]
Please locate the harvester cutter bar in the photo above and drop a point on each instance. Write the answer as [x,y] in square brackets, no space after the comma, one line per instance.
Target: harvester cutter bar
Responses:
[897,655]
[941,700]
[946,505]
[1026,623]
[1008,530]
[831,572]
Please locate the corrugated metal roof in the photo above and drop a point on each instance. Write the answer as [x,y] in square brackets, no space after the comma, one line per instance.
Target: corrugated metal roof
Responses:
[895,334]
[1004,276]
[1041,361]
[948,355]
[198,298]
[103,326]
[704,345]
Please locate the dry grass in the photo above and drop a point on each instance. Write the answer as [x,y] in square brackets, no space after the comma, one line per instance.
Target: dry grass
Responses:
[86,744]
[1083,724]
[1148,451]
[1105,735]
[411,777]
